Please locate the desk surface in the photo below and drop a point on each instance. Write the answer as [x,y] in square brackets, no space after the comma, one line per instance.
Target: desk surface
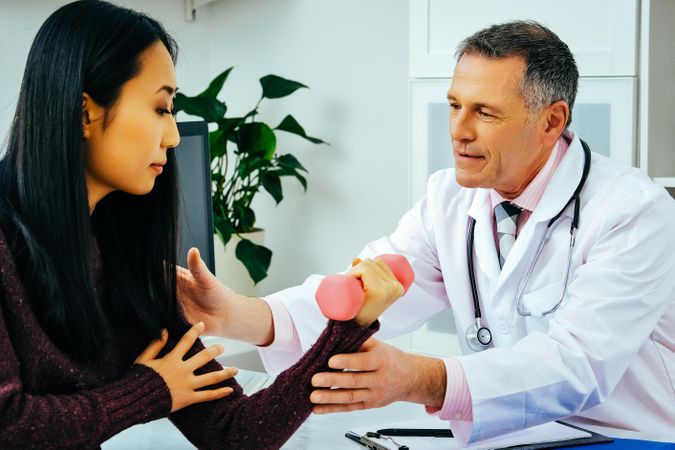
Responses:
[319,431]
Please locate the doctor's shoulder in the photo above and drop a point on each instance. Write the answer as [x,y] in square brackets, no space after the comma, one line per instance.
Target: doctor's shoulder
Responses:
[445,196]
[442,188]
[616,183]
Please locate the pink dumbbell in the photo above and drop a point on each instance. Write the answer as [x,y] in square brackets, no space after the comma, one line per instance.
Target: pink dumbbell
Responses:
[340,297]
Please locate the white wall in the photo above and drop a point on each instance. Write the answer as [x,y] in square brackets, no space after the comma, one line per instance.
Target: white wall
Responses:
[354,56]
[20,21]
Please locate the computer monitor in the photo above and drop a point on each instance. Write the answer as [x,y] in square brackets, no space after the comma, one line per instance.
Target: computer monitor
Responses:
[194,174]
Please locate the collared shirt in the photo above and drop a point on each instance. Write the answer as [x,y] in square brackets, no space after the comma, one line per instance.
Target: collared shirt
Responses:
[529,198]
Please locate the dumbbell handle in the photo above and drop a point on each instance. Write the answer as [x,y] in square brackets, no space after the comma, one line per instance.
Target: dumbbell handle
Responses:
[340,297]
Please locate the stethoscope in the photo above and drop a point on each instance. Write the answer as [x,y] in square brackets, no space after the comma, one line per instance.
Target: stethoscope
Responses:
[479,337]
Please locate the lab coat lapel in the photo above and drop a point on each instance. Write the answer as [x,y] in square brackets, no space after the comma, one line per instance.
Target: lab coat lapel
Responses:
[485,252]
[558,192]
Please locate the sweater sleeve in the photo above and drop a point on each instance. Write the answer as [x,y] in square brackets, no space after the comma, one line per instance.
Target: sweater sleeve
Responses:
[81,419]
[268,418]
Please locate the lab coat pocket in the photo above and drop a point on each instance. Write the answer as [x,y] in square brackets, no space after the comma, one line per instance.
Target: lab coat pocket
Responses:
[541,301]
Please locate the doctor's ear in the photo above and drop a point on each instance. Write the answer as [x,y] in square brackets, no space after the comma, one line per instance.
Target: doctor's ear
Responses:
[557,114]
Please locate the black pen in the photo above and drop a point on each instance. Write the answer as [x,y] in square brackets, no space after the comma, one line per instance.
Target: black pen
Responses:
[365,441]
[425,432]
[354,437]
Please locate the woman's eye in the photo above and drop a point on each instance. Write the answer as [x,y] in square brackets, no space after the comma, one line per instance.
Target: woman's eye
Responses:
[164,111]
[454,107]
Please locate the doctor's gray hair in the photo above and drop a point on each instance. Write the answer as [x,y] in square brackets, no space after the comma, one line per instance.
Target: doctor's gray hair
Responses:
[551,73]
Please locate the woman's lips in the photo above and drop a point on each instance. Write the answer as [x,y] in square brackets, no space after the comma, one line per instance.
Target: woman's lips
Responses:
[159,168]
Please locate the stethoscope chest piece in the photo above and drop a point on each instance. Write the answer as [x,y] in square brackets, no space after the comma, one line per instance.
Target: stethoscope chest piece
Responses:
[478,337]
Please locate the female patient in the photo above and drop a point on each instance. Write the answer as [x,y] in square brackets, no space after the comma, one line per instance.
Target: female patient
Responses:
[88,197]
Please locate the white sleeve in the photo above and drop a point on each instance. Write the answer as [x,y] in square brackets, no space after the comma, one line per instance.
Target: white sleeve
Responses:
[412,238]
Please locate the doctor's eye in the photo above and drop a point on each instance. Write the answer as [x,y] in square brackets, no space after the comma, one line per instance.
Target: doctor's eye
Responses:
[484,115]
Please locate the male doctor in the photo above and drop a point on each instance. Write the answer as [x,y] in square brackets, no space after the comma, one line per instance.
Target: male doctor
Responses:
[585,329]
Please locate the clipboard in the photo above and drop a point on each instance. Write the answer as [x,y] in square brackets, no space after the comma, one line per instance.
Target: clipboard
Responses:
[369,440]
[595,438]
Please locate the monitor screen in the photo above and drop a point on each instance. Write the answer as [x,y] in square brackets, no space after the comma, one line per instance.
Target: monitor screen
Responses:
[194,174]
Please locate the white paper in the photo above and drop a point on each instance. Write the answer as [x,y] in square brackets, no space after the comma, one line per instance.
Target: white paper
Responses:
[549,432]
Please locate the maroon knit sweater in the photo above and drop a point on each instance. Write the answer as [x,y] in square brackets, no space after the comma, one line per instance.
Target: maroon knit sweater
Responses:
[47,400]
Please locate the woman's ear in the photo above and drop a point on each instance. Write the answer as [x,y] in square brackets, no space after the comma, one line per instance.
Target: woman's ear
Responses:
[90,112]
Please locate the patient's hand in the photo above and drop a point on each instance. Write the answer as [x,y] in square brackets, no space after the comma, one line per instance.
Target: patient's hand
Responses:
[177,371]
[380,286]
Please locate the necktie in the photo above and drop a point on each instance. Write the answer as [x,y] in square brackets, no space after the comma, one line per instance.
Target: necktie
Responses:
[506,218]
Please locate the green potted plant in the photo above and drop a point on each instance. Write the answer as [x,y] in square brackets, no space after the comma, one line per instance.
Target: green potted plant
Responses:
[244,160]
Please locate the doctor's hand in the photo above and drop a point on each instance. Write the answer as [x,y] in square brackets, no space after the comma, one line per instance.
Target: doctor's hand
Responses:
[202,297]
[378,375]
[185,387]
[380,288]
[223,311]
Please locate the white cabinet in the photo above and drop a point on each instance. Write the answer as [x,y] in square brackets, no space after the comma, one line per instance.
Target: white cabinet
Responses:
[657,91]
[604,116]
[430,146]
[602,34]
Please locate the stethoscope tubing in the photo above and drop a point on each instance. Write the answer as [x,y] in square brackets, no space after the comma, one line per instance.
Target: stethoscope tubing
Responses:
[474,330]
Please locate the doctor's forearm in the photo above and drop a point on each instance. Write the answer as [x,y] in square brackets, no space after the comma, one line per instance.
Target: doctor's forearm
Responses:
[248,319]
[429,383]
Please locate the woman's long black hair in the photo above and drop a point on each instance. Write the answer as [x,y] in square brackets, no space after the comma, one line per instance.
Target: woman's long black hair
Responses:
[87,46]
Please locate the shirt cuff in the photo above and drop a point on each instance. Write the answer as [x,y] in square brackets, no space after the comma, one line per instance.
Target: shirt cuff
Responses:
[285,335]
[457,403]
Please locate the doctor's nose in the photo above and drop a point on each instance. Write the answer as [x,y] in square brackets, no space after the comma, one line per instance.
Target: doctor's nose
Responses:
[461,129]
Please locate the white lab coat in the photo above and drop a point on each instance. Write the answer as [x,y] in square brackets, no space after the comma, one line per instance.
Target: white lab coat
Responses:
[606,356]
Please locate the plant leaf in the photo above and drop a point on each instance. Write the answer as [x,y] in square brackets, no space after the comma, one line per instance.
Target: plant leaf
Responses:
[228,124]
[248,165]
[257,139]
[272,184]
[290,125]
[208,108]
[255,258]
[277,87]
[287,172]
[243,216]
[223,229]
[217,144]
[289,161]
[302,180]
[216,85]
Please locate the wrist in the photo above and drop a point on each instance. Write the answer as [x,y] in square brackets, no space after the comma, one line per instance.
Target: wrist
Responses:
[263,332]
[429,381]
